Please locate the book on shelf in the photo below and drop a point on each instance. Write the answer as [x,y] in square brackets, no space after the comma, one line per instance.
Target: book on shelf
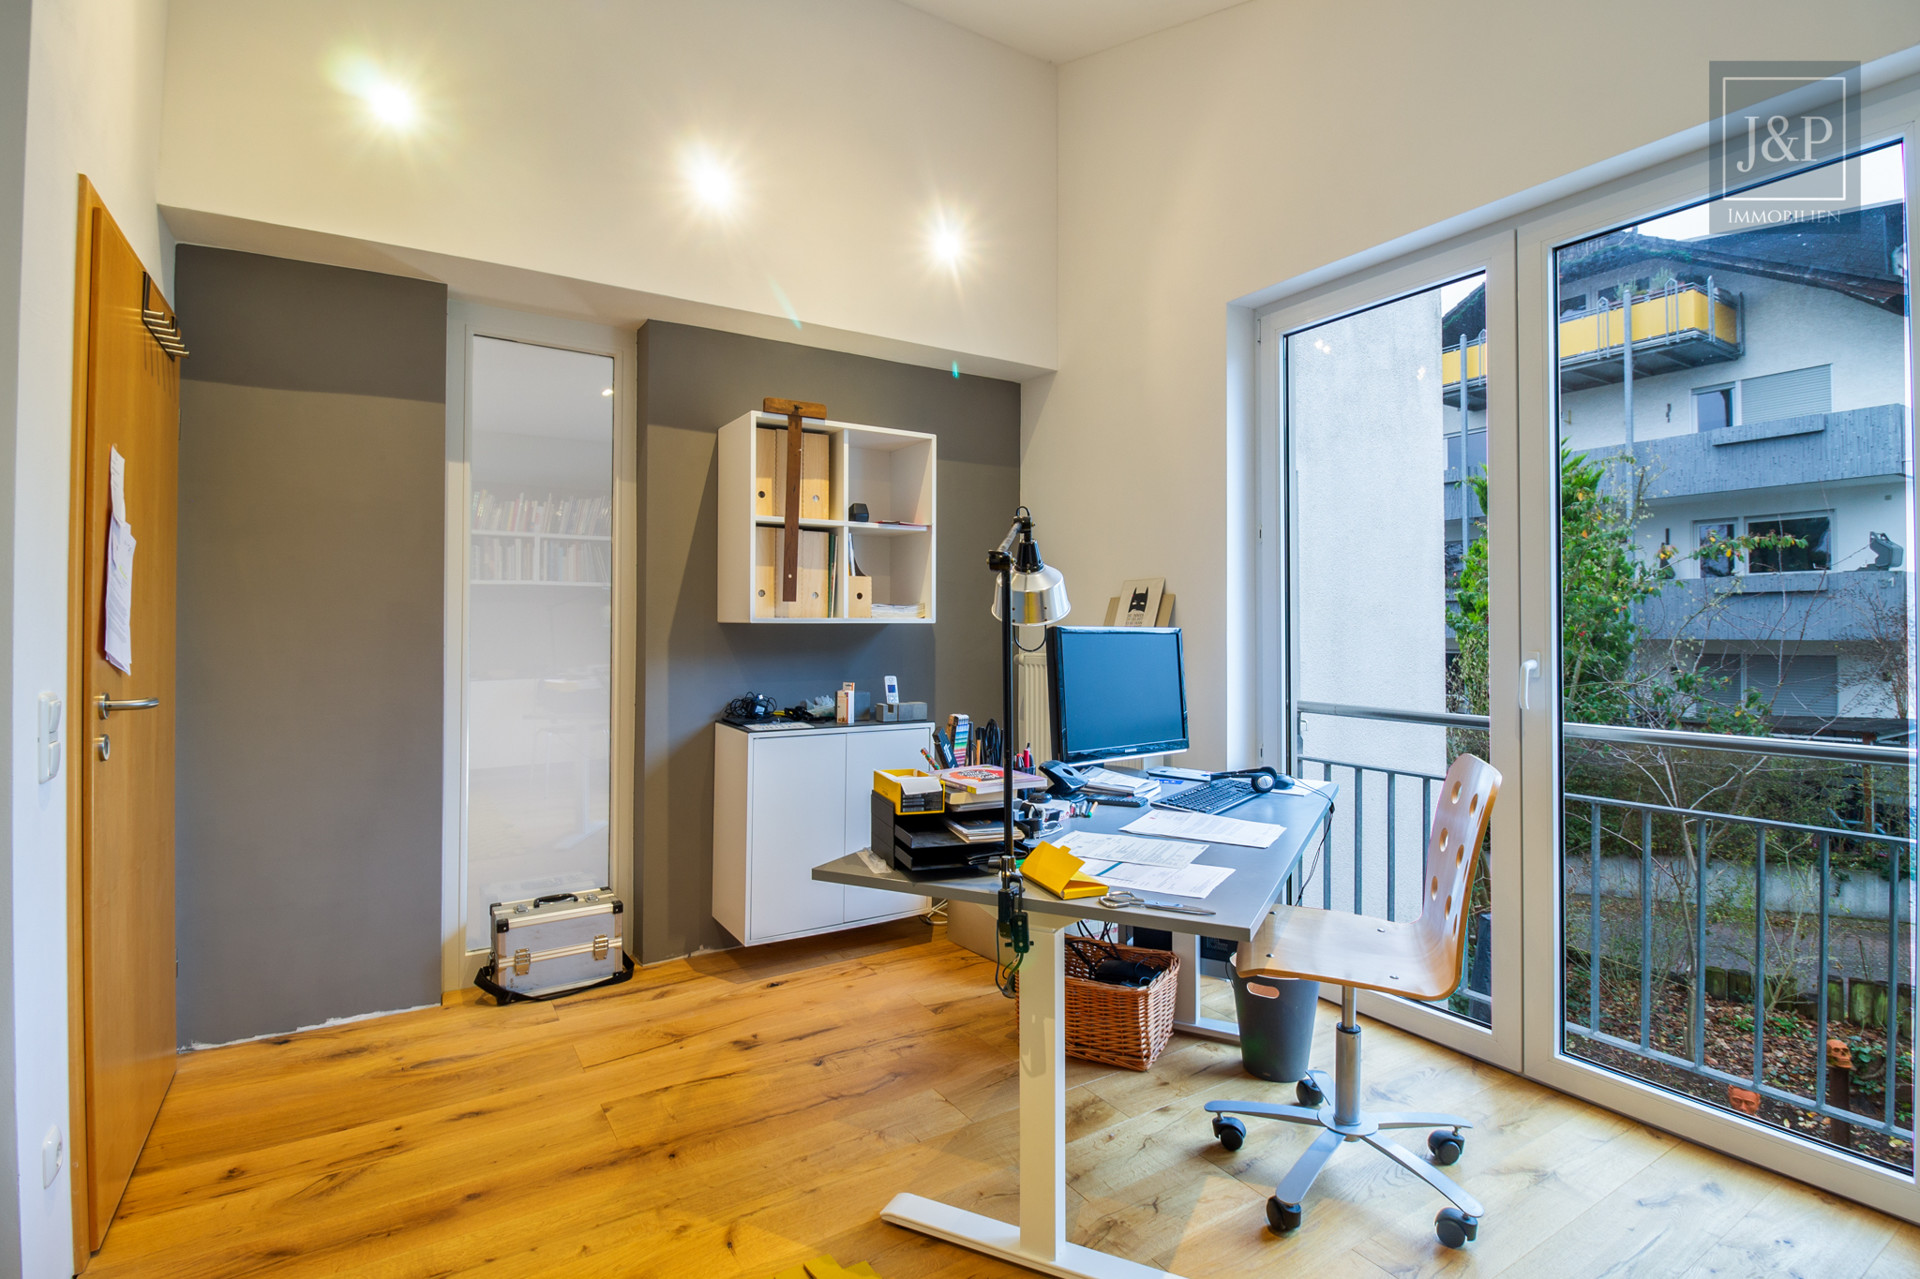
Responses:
[574,516]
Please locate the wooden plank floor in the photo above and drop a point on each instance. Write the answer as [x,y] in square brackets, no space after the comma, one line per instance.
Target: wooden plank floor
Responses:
[733,1114]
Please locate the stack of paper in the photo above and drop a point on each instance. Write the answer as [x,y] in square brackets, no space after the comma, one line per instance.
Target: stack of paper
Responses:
[1104,781]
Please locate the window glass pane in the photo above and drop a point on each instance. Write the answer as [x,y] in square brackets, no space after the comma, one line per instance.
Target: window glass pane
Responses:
[1795,545]
[1715,538]
[539,624]
[1728,913]
[1388,565]
[1713,409]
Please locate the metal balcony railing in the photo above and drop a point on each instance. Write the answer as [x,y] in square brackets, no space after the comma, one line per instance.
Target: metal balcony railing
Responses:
[1766,980]
[1622,912]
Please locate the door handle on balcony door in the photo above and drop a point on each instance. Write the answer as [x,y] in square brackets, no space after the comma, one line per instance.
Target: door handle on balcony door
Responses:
[108,706]
[1529,672]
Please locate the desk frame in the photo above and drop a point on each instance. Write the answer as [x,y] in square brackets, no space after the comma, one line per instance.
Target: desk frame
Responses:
[1039,1241]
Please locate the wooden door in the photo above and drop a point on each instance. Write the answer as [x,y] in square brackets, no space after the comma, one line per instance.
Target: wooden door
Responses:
[121,760]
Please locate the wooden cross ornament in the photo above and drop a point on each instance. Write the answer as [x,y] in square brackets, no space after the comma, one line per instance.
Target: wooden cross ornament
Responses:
[795,411]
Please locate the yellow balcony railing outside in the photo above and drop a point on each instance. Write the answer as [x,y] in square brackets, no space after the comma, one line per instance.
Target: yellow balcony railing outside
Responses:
[1661,315]
[1476,363]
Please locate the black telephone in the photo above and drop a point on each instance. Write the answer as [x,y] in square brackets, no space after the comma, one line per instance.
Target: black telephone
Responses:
[1067,780]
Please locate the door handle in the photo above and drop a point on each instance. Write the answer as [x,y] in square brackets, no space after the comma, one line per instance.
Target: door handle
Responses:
[108,706]
[1529,672]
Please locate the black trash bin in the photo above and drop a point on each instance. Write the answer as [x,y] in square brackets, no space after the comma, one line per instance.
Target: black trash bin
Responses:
[1276,1025]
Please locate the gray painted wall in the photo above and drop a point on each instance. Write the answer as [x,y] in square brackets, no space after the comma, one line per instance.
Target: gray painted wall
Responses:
[692,382]
[312,456]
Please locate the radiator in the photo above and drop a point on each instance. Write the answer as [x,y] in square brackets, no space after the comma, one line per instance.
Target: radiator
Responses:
[1036,722]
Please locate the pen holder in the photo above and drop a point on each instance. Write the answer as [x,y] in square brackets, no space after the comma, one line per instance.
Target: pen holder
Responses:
[1125,1026]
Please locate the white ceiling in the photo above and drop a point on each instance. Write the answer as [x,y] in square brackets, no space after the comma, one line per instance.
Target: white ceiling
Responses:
[1062,30]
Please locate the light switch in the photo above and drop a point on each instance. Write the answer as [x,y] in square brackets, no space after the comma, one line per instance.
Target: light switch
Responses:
[47,744]
[50,1151]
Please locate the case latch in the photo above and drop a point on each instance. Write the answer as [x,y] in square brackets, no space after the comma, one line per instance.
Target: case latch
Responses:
[522,962]
[600,946]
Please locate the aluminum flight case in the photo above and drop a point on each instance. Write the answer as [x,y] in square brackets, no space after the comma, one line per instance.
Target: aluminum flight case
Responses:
[555,945]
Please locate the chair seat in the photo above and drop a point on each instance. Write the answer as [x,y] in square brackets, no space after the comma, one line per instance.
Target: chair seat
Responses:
[1350,950]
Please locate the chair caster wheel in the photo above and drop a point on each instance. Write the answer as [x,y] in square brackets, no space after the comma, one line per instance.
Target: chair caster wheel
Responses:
[1446,1146]
[1308,1094]
[1283,1218]
[1454,1227]
[1231,1132]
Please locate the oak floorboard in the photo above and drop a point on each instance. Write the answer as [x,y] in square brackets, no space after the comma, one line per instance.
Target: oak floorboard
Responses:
[730,1115]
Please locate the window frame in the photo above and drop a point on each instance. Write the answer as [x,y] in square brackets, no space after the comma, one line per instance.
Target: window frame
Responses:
[1277,615]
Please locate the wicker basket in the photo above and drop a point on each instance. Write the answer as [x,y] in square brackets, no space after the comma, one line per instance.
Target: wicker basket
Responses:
[1123,1026]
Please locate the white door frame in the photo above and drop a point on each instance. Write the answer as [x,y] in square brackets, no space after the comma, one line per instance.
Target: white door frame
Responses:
[1279,617]
[465,321]
[1674,184]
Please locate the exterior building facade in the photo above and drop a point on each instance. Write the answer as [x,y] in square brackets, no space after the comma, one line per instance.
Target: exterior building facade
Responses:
[1757,387]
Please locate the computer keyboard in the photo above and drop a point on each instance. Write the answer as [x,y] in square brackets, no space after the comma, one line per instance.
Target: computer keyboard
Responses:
[1214,797]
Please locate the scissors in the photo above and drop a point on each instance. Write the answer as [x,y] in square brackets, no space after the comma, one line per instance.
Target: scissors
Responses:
[1121,899]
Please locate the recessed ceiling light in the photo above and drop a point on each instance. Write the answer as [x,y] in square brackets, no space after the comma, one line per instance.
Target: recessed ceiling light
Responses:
[948,245]
[392,104]
[711,182]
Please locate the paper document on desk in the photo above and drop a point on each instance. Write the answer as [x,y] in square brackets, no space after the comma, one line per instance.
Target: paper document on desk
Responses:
[1109,782]
[1174,824]
[1180,881]
[1094,846]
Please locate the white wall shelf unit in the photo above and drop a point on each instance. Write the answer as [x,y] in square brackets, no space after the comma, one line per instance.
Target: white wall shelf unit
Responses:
[891,472]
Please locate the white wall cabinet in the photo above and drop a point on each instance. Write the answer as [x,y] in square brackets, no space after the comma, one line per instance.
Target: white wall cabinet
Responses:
[784,802]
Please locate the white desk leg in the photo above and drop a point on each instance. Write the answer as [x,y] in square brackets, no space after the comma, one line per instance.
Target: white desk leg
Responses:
[1040,1240]
[1187,1017]
[1043,1093]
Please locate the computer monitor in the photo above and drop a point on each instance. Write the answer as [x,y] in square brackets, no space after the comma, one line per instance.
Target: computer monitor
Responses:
[1117,691]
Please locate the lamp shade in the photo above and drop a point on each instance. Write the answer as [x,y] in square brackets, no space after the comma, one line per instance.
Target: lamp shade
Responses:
[1039,597]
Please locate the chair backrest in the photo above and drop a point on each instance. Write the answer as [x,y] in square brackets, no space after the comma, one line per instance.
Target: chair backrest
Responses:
[1459,829]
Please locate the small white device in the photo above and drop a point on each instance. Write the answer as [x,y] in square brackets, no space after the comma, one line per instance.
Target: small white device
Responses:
[893,691]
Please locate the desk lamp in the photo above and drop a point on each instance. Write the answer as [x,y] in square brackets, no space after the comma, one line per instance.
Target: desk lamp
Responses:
[1029,594]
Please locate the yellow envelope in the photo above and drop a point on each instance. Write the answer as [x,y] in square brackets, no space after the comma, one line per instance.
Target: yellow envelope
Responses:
[1058,871]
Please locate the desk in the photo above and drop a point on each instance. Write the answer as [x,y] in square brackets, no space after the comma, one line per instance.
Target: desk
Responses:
[1241,904]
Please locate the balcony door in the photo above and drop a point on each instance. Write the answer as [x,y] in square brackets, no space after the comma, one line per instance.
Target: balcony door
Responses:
[1718,510]
[1395,646]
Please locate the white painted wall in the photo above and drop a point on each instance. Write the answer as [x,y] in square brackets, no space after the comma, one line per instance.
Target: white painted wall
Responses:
[553,137]
[94,74]
[1242,149]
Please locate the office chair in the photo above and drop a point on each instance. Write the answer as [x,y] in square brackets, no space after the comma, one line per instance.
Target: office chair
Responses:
[1418,960]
